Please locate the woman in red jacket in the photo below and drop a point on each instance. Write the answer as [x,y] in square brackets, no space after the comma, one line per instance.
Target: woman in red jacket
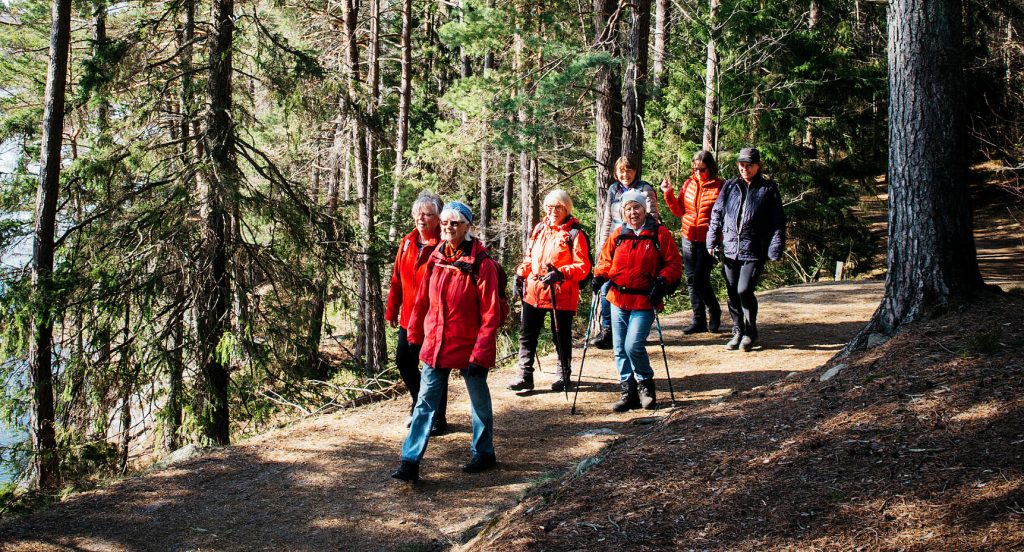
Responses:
[455,318]
[693,205]
[641,261]
[557,258]
[410,265]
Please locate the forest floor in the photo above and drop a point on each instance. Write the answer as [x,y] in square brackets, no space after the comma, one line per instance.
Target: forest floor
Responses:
[916,444]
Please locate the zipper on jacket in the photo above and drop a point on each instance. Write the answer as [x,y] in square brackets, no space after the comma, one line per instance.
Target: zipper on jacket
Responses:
[741,212]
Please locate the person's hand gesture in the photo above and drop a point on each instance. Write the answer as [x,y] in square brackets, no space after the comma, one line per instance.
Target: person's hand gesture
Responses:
[666,185]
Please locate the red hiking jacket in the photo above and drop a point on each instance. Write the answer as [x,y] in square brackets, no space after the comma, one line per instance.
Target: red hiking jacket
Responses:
[693,205]
[410,265]
[455,318]
[634,263]
[550,244]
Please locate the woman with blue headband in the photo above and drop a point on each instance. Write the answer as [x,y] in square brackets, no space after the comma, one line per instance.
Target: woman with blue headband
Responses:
[455,322]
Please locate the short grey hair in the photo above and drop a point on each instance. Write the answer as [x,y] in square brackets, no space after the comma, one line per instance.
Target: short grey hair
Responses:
[559,197]
[427,199]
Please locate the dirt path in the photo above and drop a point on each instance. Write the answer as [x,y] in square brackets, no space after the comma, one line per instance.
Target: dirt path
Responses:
[323,483]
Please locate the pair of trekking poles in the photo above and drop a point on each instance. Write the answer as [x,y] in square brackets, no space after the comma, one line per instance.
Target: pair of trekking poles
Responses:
[586,345]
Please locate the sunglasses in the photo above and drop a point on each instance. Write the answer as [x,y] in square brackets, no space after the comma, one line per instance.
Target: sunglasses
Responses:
[700,169]
[452,223]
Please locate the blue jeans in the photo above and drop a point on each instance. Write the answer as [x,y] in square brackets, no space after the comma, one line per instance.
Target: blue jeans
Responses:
[606,307]
[630,329]
[432,384]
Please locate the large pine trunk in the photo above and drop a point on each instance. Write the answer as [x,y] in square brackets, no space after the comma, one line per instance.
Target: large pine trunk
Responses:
[221,181]
[404,102]
[663,10]
[634,87]
[607,108]
[932,259]
[45,467]
[709,137]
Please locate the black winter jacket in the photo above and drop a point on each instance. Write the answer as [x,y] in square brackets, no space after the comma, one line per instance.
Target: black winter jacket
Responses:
[760,233]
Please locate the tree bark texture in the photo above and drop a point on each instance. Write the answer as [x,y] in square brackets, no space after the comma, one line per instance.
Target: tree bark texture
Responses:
[506,204]
[932,259]
[634,88]
[607,106]
[222,181]
[708,140]
[663,10]
[404,101]
[45,467]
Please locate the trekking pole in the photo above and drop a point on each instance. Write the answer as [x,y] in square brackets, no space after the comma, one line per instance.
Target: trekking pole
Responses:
[522,311]
[558,350]
[664,355]
[586,344]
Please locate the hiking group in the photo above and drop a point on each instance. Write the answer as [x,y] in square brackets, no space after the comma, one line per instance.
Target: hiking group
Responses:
[448,297]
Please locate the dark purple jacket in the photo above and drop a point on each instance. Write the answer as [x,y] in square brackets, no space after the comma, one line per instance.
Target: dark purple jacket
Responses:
[757,231]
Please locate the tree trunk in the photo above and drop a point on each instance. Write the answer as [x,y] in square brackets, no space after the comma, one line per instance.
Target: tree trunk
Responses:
[485,181]
[635,84]
[175,373]
[506,204]
[127,388]
[377,346]
[709,143]
[607,107]
[99,35]
[221,182]
[45,466]
[932,260]
[661,35]
[404,101]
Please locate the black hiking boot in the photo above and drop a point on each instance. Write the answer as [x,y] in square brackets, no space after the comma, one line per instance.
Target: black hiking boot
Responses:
[698,325]
[734,343]
[523,382]
[603,341]
[480,463]
[563,382]
[407,471]
[647,394]
[714,319]
[440,427]
[628,398]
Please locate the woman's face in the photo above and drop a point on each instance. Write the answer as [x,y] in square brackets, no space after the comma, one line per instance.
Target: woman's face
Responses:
[625,175]
[700,170]
[635,213]
[426,220]
[556,213]
[748,170]
[453,228]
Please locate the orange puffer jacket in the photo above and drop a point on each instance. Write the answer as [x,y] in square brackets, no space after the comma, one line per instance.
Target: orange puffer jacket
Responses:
[631,261]
[693,205]
[549,244]
[410,265]
[457,315]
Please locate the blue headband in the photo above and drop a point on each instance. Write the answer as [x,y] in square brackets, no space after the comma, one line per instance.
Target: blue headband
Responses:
[462,209]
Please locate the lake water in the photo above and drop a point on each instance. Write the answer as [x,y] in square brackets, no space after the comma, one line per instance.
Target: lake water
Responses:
[16,257]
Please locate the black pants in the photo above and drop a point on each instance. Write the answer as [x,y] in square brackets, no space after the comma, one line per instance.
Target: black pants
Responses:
[697,263]
[530,326]
[407,357]
[741,278]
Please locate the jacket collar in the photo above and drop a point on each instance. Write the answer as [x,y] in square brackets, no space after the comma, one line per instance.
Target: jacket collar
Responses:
[649,225]
[567,225]
[414,236]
